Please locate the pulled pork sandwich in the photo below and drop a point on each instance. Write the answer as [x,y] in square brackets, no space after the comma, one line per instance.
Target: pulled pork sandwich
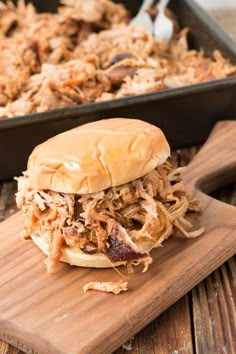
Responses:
[103,194]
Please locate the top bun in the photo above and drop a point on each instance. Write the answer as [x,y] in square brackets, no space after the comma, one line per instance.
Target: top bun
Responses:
[96,156]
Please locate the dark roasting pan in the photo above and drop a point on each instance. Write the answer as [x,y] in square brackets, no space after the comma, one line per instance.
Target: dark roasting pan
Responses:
[185,114]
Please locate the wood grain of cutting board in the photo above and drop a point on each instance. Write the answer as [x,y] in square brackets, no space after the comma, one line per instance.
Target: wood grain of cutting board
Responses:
[41,313]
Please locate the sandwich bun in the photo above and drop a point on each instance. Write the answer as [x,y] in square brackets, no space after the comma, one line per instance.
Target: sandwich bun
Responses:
[74,256]
[97,155]
[92,158]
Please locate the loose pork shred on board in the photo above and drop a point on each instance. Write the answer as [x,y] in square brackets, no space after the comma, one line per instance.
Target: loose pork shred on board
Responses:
[107,287]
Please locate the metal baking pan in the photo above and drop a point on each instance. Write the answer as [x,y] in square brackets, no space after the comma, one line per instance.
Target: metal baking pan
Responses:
[186,115]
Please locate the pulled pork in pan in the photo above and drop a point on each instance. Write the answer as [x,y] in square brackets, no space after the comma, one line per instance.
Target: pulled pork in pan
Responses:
[92,39]
[123,222]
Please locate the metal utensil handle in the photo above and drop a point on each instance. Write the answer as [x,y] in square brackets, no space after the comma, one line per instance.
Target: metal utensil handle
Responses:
[162,5]
[145,5]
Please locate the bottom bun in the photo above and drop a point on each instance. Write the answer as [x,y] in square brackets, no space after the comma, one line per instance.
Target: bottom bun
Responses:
[76,257]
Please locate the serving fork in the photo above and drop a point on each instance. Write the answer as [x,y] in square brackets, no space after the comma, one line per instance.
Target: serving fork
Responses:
[143,18]
[162,28]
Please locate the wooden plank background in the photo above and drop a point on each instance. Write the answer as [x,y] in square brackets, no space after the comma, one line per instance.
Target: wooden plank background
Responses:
[204,320]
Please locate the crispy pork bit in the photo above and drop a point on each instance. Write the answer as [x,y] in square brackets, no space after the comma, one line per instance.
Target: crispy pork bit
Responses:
[122,222]
[107,287]
[120,247]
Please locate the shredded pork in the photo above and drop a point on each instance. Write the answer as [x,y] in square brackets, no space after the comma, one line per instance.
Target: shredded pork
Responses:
[123,222]
[106,286]
[87,52]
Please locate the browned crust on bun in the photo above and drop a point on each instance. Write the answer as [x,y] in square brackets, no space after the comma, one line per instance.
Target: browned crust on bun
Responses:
[97,155]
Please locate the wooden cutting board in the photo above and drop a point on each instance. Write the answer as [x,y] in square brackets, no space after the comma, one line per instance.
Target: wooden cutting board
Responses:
[41,313]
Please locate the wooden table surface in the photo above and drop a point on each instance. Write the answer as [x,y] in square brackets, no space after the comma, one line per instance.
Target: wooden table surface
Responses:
[204,320]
